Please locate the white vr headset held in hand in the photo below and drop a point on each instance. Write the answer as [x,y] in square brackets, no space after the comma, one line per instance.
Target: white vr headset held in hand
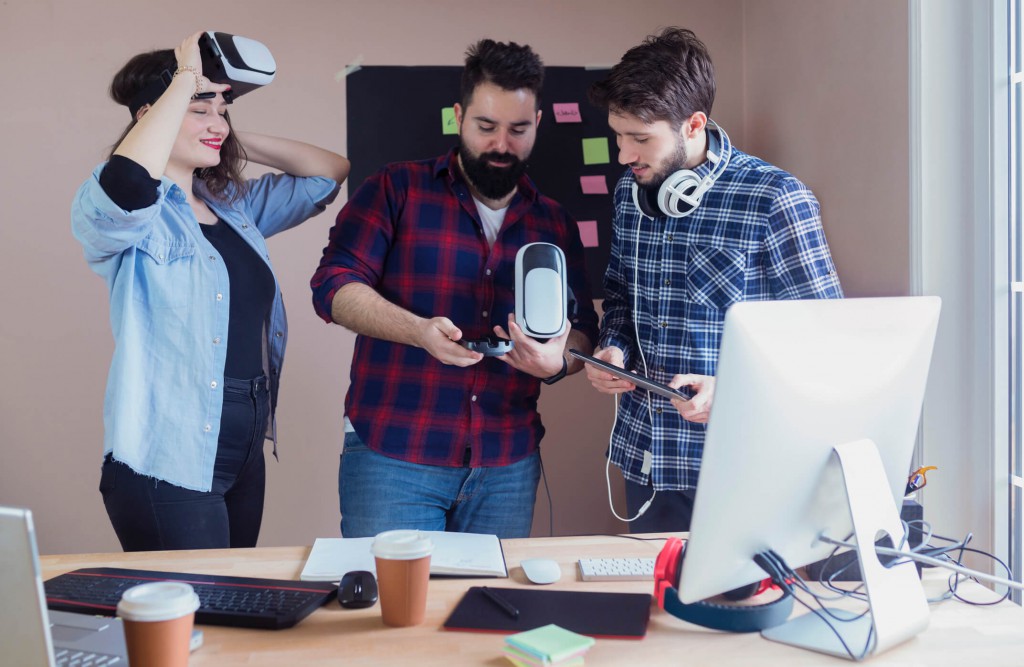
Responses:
[541,298]
[541,292]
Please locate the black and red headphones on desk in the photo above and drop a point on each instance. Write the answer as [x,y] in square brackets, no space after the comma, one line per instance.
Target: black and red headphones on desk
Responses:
[731,618]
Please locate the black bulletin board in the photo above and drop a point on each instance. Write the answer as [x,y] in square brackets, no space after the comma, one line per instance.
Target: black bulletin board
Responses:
[394,114]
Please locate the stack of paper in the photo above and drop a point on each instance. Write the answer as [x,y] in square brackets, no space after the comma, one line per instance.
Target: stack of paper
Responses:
[547,645]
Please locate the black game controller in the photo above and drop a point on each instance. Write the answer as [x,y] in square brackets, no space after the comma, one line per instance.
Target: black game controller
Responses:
[492,346]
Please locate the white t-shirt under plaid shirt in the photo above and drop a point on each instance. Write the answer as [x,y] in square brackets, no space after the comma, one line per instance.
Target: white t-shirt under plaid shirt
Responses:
[756,235]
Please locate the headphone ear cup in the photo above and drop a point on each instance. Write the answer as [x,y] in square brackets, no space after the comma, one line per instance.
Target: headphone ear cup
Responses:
[675,196]
[646,201]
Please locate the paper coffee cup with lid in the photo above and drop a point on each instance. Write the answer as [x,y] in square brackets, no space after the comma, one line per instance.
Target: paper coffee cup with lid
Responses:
[403,572]
[158,619]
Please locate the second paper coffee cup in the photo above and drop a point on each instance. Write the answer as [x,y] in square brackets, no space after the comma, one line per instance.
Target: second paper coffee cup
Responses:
[403,571]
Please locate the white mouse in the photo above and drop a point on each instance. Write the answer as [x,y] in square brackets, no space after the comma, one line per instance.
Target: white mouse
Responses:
[541,570]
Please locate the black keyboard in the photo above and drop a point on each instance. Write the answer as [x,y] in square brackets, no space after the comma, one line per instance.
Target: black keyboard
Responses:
[238,601]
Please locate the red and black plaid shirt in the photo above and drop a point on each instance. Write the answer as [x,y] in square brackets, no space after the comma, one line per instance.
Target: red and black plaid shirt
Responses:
[412,232]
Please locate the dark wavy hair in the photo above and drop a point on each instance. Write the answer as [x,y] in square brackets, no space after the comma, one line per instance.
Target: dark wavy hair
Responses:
[509,66]
[223,181]
[667,77]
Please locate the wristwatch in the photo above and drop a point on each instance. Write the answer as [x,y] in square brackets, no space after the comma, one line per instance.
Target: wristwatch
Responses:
[559,375]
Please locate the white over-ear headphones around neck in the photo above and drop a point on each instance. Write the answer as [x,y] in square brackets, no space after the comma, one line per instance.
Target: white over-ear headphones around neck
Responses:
[682,191]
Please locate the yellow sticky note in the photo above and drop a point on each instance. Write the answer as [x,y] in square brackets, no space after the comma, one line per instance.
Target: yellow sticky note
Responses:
[448,124]
[595,150]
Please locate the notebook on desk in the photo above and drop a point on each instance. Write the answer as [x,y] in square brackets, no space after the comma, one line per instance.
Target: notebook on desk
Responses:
[30,634]
[455,555]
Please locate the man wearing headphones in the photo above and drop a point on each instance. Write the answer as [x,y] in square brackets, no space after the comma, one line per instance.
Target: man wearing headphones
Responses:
[698,226]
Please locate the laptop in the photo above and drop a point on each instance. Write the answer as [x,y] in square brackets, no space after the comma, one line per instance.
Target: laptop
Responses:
[31,635]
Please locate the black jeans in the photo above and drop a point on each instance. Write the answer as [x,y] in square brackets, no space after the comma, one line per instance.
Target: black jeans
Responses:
[149,514]
[669,513]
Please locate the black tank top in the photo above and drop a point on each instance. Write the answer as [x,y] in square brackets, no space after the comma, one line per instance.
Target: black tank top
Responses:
[130,186]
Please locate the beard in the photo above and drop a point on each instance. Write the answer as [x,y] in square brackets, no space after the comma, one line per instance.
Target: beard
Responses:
[671,165]
[492,182]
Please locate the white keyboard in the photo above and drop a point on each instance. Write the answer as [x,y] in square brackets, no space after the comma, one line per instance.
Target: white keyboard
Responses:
[617,569]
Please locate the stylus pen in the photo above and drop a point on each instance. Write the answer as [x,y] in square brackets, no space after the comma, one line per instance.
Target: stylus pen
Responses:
[500,601]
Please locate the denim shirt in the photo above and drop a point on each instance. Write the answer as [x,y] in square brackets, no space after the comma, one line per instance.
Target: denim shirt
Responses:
[169,304]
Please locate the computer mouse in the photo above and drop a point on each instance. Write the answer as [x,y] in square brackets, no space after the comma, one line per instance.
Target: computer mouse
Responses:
[541,570]
[357,590]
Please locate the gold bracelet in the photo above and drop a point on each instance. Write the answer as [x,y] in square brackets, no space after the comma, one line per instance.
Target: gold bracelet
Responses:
[200,84]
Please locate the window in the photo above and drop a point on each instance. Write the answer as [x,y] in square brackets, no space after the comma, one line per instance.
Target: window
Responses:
[1016,280]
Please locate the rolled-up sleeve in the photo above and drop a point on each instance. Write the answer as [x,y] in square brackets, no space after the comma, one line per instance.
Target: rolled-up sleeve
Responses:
[105,229]
[281,201]
[359,242]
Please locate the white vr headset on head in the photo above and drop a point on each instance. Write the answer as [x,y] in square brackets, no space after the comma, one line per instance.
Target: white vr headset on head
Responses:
[682,191]
[240,62]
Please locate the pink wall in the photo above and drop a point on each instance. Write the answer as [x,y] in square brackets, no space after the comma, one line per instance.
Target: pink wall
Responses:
[57,123]
[826,99]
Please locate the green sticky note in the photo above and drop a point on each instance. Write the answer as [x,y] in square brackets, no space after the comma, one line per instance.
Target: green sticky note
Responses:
[550,643]
[595,150]
[448,124]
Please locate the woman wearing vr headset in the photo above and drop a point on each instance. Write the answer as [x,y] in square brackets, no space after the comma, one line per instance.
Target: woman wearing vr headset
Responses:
[196,312]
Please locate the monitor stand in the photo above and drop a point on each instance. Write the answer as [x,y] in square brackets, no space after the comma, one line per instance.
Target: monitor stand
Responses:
[898,609]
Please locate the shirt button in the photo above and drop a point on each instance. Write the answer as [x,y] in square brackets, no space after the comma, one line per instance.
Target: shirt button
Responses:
[664,324]
[658,410]
[667,282]
[488,272]
[484,313]
[212,258]
[207,428]
[219,296]
[245,226]
[216,341]
[279,334]
[473,399]
[159,255]
[668,237]
[213,385]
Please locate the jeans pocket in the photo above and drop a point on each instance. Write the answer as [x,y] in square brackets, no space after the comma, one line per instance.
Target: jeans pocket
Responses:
[352,444]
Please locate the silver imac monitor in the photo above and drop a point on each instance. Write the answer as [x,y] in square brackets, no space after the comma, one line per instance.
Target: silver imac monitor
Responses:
[811,433]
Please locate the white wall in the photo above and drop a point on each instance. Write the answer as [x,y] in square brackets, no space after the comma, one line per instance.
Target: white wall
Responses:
[960,215]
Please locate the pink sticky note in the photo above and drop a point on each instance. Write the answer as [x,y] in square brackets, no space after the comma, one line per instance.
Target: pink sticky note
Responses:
[588,233]
[594,185]
[567,112]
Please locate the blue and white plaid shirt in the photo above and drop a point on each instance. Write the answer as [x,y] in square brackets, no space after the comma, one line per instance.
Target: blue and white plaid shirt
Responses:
[756,235]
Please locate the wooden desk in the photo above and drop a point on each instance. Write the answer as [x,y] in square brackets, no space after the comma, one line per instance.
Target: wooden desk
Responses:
[958,634]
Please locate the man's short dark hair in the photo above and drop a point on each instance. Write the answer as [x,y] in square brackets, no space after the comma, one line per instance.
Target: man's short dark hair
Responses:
[508,66]
[667,77]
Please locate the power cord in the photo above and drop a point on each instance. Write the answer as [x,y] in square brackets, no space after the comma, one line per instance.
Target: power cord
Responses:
[608,477]
[947,563]
[547,492]
[650,409]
